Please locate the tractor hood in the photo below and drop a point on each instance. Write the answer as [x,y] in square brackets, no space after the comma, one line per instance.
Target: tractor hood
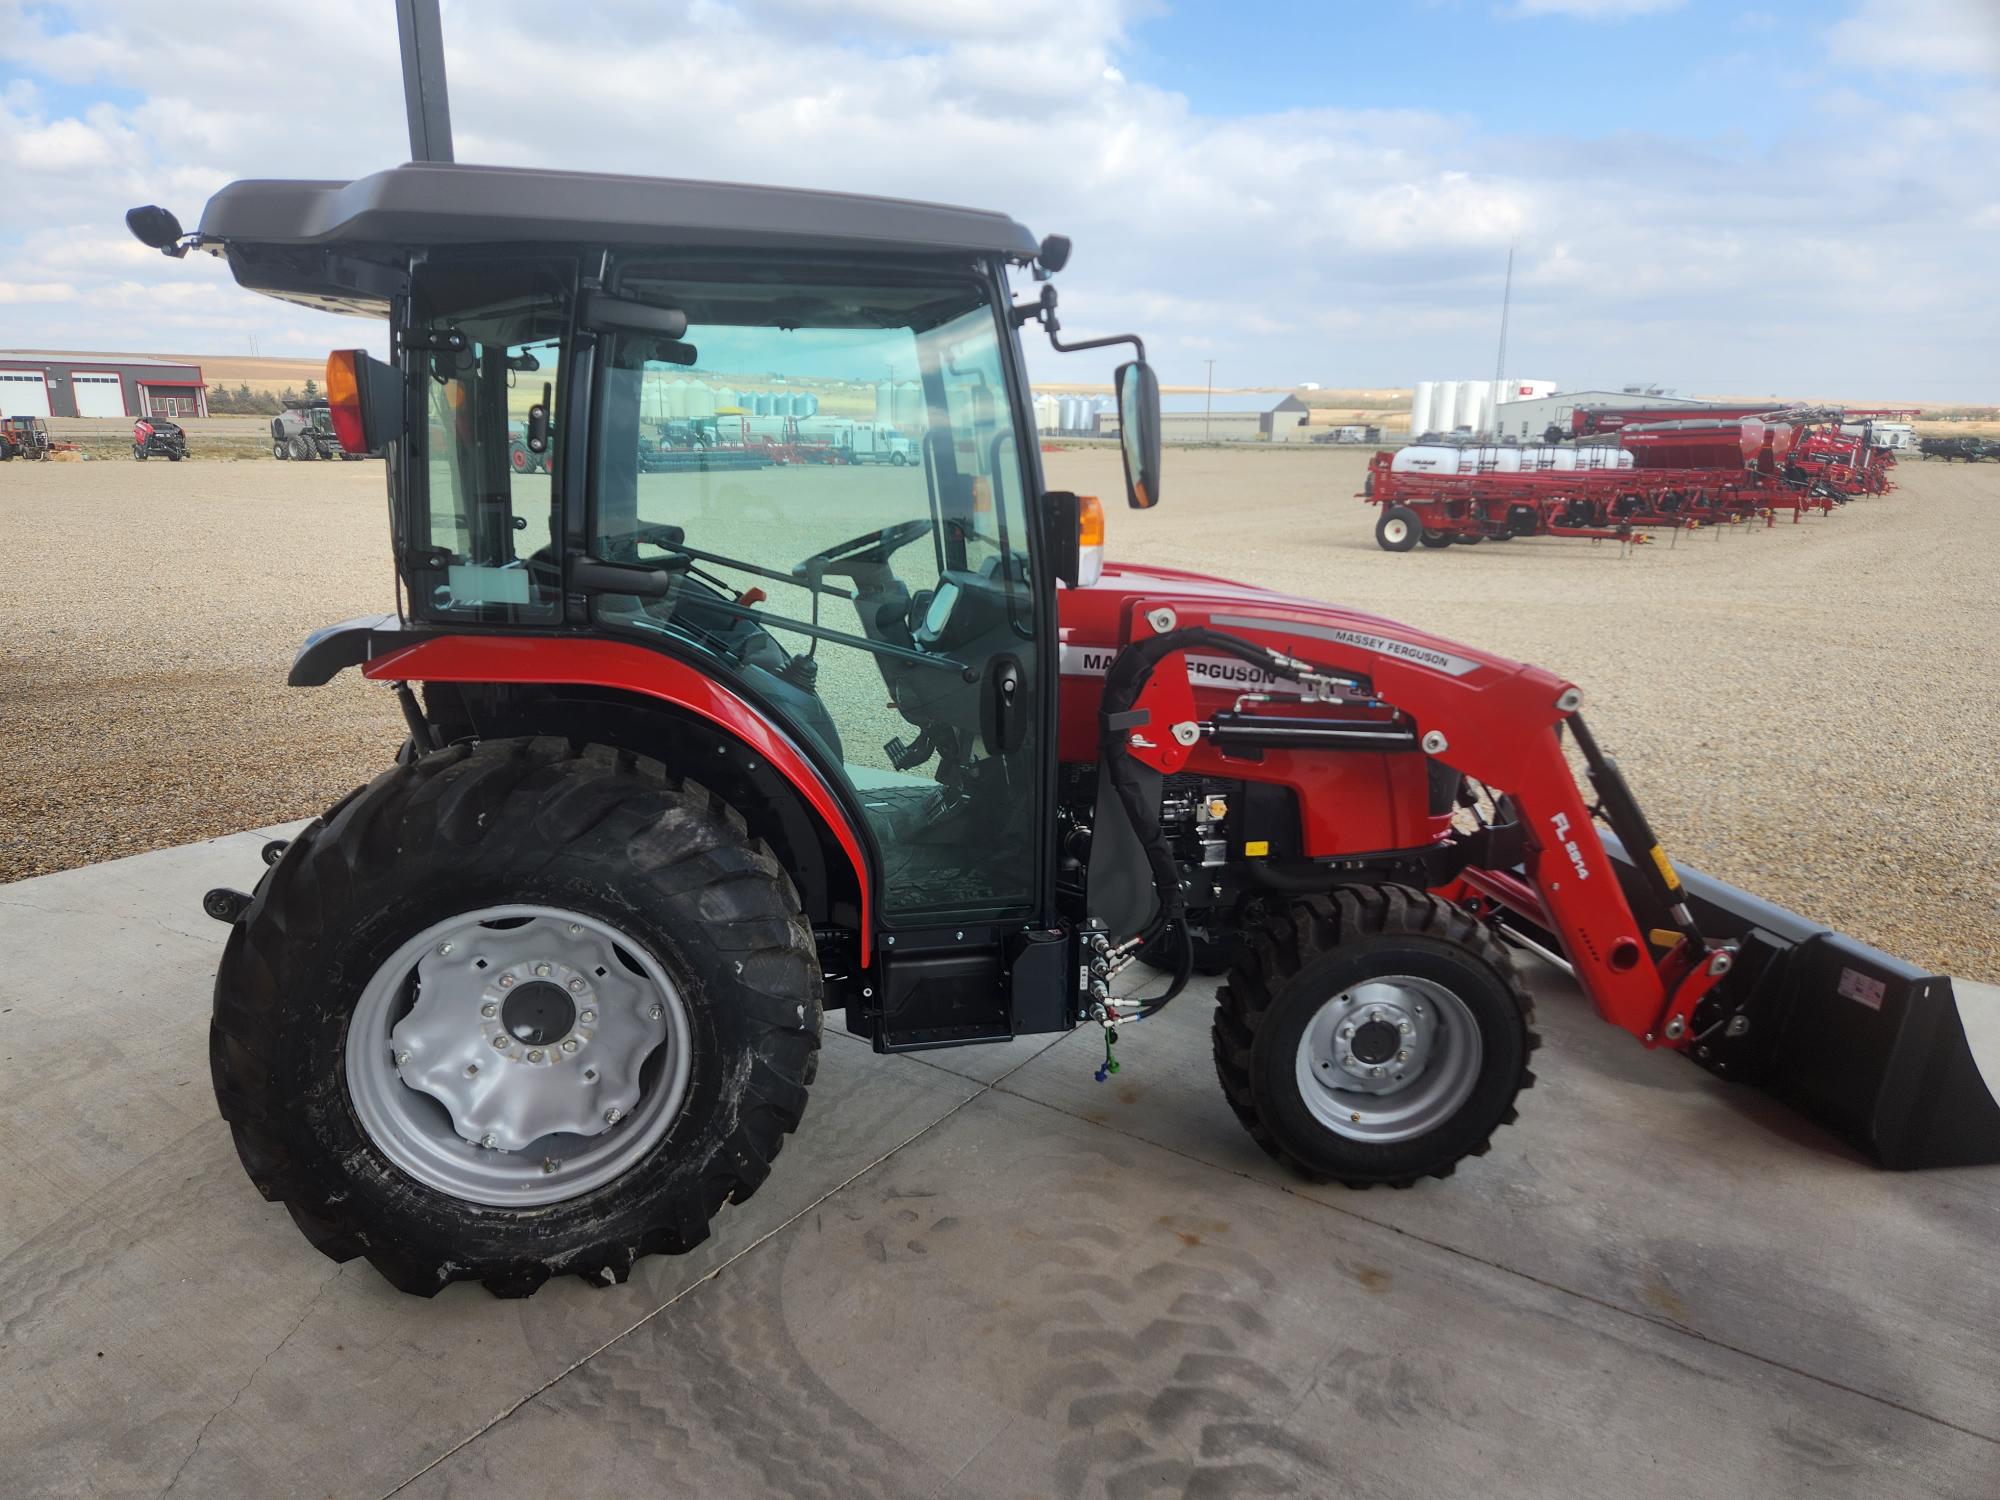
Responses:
[1095,615]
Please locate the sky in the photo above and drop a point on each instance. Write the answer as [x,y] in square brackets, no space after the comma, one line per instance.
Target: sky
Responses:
[1786,198]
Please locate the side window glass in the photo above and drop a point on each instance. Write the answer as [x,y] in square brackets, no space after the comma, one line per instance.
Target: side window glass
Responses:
[490,461]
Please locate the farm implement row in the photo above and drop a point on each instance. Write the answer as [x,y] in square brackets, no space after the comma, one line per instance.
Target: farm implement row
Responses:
[1673,474]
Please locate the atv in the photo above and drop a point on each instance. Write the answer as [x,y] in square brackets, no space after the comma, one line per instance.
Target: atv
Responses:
[156,437]
[697,755]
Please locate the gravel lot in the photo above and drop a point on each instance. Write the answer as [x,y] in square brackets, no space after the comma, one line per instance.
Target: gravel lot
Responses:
[1806,711]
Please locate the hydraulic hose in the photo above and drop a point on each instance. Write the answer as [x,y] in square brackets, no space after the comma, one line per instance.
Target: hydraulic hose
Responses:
[1130,670]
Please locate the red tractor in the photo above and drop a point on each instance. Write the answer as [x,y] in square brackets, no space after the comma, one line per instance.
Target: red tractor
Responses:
[697,755]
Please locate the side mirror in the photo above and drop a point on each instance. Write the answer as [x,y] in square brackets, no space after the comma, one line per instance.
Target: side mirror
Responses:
[155,227]
[365,399]
[1139,432]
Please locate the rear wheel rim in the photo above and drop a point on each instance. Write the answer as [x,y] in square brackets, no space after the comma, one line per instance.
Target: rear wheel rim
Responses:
[1389,1059]
[549,1033]
[1395,529]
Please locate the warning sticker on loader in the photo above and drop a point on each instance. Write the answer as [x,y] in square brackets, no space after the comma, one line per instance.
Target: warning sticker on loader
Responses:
[1858,986]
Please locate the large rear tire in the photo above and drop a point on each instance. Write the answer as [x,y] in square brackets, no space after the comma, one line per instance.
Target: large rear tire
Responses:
[1372,1035]
[367,1052]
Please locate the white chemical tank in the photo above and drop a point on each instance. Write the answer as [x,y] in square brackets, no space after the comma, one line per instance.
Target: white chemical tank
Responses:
[1420,407]
[1427,458]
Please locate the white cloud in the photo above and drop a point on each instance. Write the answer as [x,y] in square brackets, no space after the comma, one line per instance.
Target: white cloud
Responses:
[1354,246]
[1958,37]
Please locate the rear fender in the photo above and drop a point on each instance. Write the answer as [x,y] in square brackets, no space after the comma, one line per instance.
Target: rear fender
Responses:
[639,677]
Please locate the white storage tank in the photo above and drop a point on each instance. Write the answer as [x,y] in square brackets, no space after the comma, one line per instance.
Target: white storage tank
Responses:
[885,403]
[911,414]
[1420,407]
[1048,414]
[1444,407]
[701,401]
[1472,398]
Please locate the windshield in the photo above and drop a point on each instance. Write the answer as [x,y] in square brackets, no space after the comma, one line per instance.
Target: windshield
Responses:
[830,477]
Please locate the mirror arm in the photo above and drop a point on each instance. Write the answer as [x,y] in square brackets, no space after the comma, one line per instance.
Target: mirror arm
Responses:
[1138,344]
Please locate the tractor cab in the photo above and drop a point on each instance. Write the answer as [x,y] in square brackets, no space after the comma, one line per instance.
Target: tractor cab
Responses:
[600,398]
[24,437]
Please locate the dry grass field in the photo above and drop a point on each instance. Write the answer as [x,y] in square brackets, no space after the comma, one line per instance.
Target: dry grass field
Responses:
[1807,711]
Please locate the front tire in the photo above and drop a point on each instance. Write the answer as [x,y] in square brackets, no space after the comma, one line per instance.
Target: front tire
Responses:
[1397,529]
[278,450]
[1372,1035]
[366,1053]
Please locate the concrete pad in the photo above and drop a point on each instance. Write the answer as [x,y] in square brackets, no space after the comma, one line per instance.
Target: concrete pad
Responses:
[1019,1304]
[161,1326]
[1640,1180]
[1653,1284]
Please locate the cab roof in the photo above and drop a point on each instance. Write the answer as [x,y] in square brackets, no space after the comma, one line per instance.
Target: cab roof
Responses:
[433,203]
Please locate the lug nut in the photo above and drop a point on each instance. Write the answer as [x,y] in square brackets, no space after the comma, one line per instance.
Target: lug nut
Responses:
[536,1055]
[569,1044]
[1402,1057]
[1404,1027]
[1374,1072]
[489,1010]
[443,949]
[500,1042]
[489,1141]
[550,1164]
[541,971]
[402,1059]
[576,986]
[589,1018]
[506,981]
[613,1116]
[656,1012]
[575,928]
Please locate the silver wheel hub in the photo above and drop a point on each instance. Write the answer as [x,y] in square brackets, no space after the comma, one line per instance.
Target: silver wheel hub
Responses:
[518,1055]
[1388,1059]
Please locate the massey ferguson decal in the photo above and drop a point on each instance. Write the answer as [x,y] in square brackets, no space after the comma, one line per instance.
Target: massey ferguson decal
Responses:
[1381,645]
[1568,844]
[1203,671]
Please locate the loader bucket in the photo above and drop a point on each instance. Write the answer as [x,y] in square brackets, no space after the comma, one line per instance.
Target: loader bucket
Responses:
[1870,1047]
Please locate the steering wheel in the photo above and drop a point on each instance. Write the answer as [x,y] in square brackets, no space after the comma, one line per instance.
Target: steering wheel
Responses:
[871,547]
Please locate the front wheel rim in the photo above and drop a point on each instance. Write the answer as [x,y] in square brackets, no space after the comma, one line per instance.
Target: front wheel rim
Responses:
[1389,1059]
[518,1055]
[1396,530]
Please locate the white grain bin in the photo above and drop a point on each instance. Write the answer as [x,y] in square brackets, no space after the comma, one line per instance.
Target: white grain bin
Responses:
[701,401]
[1472,398]
[912,415]
[1048,414]
[885,403]
[1420,407]
[1444,407]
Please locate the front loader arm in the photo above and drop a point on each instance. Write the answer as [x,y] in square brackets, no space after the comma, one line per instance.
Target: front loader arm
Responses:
[1500,722]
